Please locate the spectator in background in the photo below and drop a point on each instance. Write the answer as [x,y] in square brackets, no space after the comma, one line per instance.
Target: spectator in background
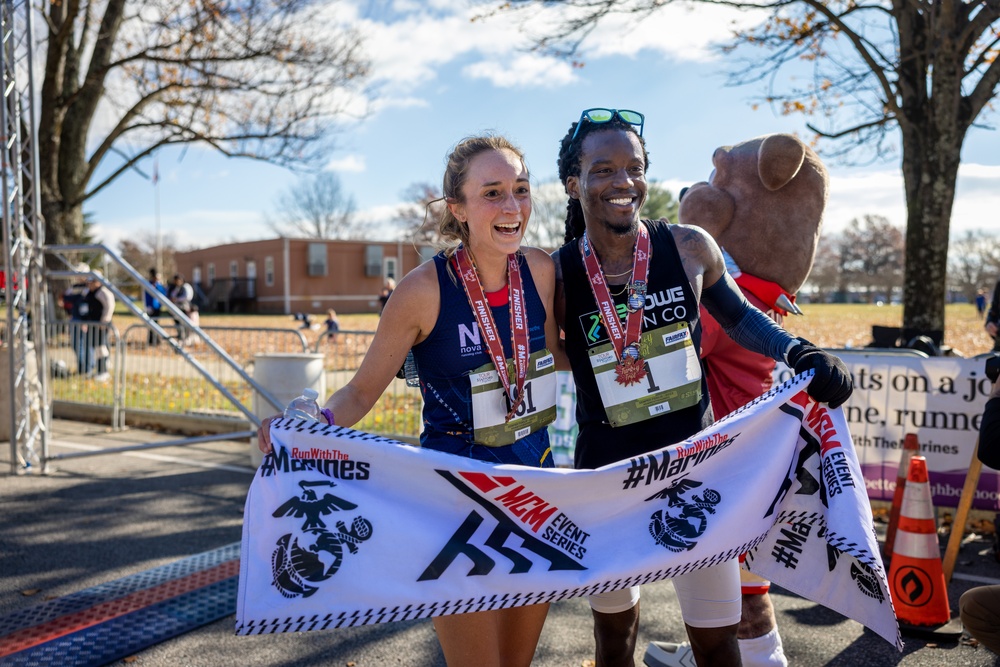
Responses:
[99,308]
[332,324]
[181,294]
[993,317]
[386,292]
[980,607]
[195,318]
[153,306]
[74,305]
[980,302]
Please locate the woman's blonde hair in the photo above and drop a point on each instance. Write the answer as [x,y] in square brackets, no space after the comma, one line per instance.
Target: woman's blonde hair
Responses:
[451,230]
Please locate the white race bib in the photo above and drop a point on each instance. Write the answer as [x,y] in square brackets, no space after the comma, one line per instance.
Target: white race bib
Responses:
[490,406]
[672,381]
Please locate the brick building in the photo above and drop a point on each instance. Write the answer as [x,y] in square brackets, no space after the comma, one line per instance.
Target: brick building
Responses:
[286,275]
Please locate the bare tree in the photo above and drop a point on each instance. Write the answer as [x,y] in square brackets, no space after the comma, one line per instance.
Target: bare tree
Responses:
[827,275]
[140,252]
[314,208]
[418,219]
[123,77]
[927,68]
[873,253]
[974,263]
[547,227]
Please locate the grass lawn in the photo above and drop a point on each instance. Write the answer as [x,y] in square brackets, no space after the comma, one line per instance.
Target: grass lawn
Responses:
[826,325]
[849,325]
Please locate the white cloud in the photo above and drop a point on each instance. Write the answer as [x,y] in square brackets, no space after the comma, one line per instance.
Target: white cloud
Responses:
[409,43]
[525,70]
[379,222]
[678,32]
[977,198]
[398,102]
[198,228]
[352,163]
[407,53]
[857,194]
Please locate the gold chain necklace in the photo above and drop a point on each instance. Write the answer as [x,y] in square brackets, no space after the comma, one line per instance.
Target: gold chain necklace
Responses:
[619,292]
[617,275]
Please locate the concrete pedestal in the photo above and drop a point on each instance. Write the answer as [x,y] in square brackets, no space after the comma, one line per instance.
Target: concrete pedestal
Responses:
[284,376]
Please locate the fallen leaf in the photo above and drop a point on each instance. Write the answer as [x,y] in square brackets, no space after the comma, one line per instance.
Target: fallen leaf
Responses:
[131,658]
[28,592]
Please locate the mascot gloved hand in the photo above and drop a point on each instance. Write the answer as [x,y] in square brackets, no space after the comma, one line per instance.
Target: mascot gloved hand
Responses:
[831,381]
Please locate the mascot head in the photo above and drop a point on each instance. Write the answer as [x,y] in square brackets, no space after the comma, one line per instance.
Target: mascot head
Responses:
[763,203]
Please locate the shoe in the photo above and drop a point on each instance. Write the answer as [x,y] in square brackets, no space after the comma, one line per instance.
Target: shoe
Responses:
[666,654]
[102,377]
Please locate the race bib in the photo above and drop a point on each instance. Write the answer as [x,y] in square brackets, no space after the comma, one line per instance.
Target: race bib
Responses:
[490,405]
[672,381]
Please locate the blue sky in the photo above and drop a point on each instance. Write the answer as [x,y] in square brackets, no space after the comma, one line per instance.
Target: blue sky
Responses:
[442,77]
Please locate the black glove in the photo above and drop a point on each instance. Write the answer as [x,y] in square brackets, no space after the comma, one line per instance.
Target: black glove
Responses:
[831,382]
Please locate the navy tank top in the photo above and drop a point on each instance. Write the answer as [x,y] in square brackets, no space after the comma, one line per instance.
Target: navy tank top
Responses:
[669,299]
[446,358]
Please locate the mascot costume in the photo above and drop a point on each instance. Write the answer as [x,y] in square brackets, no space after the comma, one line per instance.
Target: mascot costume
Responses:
[763,204]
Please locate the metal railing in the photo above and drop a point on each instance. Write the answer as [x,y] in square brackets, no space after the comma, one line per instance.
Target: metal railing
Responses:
[398,413]
[147,374]
[74,350]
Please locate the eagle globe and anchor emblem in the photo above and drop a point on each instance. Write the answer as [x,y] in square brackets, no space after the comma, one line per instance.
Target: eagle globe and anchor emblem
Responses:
[676,526]
[316,553]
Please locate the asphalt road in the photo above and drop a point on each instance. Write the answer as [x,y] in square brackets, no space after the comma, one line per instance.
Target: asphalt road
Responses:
[94,520]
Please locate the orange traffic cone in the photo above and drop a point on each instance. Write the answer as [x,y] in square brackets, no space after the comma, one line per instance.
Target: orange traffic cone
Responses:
[916,579]
[910,447]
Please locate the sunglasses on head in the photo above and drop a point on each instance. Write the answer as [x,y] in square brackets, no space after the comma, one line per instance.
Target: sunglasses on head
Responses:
[598,115]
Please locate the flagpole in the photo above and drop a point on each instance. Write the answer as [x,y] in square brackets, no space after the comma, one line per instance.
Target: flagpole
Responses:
[156,199]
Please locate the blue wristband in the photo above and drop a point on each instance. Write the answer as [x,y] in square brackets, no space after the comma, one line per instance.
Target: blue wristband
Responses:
[328,414]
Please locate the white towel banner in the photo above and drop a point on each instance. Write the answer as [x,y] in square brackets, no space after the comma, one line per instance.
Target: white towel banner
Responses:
[345,528]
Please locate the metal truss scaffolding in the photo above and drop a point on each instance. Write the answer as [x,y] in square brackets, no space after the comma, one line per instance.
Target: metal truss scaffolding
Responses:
[24,287]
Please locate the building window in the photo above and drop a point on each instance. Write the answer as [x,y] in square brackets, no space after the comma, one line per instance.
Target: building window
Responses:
[211,273]
[234,269]
[196,275]
[317,259]
[373,260]
[269,271]
[251,278]
[390,269]
[427,252]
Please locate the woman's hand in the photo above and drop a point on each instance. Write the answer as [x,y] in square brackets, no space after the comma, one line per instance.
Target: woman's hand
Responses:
[264,434]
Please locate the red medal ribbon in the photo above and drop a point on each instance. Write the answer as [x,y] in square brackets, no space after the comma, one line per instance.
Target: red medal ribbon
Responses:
[630,367]
[484,316]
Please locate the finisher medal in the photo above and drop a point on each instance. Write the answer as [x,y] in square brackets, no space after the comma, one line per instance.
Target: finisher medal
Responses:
[636,296]
[630,368]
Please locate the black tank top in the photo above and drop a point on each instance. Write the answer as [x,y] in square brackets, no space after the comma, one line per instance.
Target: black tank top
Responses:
[669,299]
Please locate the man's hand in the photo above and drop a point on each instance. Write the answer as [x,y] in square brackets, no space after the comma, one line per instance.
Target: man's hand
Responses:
[831,382]
[264,434]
